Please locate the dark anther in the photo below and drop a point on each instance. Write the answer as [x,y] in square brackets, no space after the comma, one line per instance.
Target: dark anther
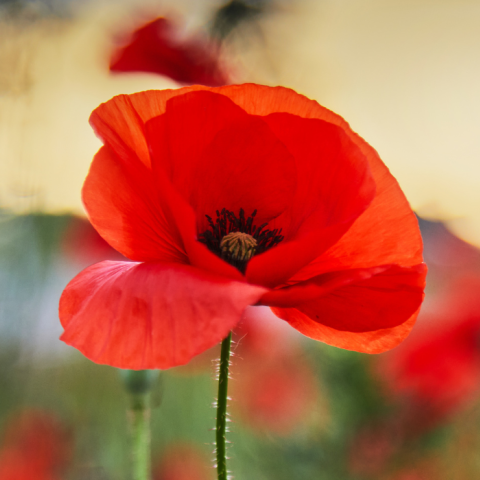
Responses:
[226,224]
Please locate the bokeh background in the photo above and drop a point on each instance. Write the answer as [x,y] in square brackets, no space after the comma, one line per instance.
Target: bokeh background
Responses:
[405,75]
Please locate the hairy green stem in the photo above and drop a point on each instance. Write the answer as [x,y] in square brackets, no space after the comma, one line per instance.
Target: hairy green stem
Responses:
[222,408]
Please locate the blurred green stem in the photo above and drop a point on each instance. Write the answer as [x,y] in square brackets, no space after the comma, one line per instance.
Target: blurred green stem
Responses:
[222,408]
[140,436]
[138,385]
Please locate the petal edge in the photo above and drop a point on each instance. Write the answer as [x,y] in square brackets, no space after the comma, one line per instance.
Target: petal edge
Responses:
[150,315]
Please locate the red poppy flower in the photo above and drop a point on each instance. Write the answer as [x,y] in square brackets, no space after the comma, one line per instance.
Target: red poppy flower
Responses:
[274,389]
[425,469]
[35,447]
[82,244]
[260,336]
[155,48]
[274,396]
[235,196]
[183,462]
[372,448]
[436,371]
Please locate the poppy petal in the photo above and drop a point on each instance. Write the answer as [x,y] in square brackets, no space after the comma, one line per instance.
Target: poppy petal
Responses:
[264,100]
[143,217]
[387,232]
[154,48]
[120,122]
[182,215]
[334,186]
[333,174]
[375,341]
[382,301]
[122,203]
[292,296]
[150,315]
[226,162]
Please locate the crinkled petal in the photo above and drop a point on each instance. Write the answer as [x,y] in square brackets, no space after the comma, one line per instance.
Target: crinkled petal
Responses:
[150,315]
[120,122]
[217,156]
[143,217]
[314,288]
[183,216]
[123,204]
[387,232]
[378,304]
[334,179]
[375,341]
[264,100]
[334,186]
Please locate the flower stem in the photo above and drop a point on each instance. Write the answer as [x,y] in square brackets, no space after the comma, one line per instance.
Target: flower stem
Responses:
[140,436]
[138,384]
[222,408]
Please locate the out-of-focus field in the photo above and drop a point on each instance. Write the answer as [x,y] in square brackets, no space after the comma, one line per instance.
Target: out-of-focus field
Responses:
[299,409]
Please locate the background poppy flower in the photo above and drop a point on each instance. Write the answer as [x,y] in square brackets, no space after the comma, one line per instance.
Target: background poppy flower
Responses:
[273,386]
[425,469]
[274,396]
[156,48]
[183,461]
[36,446]
[371,449]
[345,263]
[82,244]
[436,371]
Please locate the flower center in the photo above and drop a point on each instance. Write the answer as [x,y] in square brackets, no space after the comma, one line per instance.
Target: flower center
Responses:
[236,239]
[238,246]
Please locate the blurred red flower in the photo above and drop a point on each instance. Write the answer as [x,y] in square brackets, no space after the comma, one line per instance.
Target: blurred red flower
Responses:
[273,388]
[372,448]
[309,222]
[437,369]
[183,462]
[81,243]
[425,469]
[35,447]
[274,396]
[156,48]
[448,257]
[259,335]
